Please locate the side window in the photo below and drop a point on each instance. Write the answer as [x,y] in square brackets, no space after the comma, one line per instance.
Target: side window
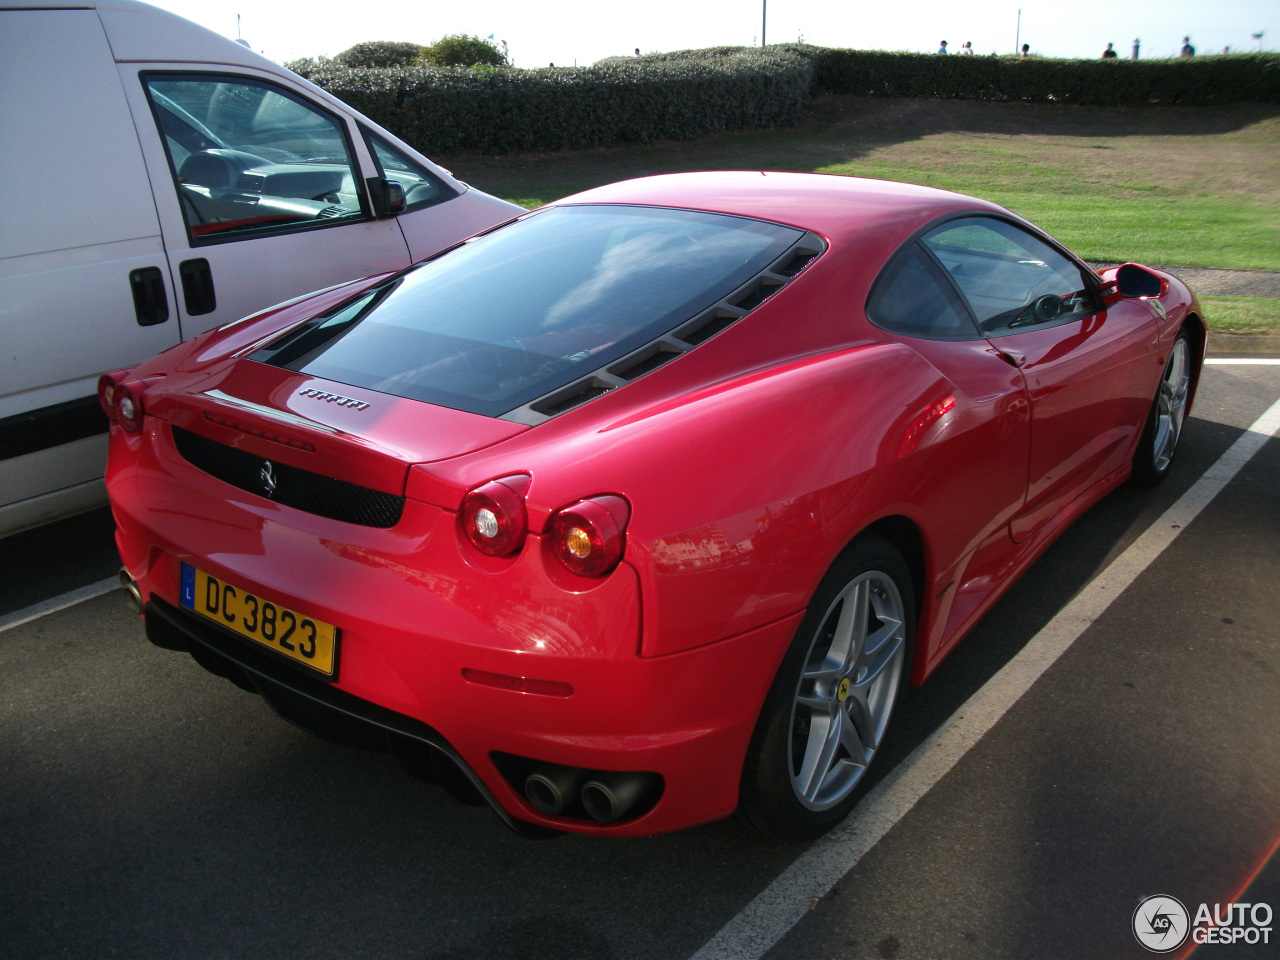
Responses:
[912,297]
[249,158]
[422,188]
[1010,278]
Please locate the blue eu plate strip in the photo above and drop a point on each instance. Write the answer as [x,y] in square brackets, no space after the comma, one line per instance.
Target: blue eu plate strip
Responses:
[188,586]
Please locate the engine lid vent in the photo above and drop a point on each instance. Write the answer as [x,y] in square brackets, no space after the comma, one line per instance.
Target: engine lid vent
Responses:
[651,359]
[573,395]
[661,351]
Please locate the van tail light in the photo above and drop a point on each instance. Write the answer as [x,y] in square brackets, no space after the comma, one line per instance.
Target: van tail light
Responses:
[493,516]
[121,399]
[588,537]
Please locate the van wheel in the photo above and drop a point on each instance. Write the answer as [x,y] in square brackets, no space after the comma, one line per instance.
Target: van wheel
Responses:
[825,717]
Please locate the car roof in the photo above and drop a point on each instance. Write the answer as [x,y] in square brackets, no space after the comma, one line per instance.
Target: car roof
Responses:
[840,208]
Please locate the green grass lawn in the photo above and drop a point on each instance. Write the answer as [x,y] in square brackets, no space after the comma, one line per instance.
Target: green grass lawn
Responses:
[1148,223]
[1241,314]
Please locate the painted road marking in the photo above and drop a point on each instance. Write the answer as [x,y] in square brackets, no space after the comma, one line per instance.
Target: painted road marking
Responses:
[54,604]
[781,905]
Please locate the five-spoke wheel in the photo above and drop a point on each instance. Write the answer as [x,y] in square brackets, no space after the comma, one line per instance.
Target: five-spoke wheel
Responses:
[827,712]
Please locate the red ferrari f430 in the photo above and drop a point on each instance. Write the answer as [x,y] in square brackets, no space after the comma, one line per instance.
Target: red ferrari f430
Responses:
[640,510]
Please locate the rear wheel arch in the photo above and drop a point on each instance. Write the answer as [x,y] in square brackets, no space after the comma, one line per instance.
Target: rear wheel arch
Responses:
[814,737]
[905,536]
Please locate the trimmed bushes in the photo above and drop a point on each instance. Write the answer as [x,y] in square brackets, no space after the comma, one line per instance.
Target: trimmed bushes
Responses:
[444,110]
[378,54]
[460,50]
[1134,83]
[690,93]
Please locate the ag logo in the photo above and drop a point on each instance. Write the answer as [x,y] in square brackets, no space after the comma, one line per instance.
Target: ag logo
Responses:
[1161,924]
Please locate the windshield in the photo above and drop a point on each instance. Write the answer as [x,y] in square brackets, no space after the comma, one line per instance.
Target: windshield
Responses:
[529,308]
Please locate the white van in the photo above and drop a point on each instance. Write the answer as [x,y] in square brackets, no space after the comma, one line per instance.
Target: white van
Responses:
[160,180]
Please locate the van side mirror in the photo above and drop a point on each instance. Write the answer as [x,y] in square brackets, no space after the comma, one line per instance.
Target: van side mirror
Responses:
[388,197]
[1134,281]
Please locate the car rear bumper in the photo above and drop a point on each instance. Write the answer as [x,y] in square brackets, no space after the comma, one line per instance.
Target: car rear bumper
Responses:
[420,621]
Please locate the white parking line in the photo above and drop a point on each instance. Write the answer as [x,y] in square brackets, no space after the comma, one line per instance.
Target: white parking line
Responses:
[1252,361]
[781,905]
[53,605]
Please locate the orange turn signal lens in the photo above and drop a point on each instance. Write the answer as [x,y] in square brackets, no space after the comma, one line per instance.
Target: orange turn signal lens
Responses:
[589,537]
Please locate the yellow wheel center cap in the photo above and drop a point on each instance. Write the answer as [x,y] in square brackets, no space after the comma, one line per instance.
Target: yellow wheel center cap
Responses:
[842,691]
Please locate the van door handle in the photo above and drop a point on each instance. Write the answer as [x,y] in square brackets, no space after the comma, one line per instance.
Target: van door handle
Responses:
[150,302]
[197,287]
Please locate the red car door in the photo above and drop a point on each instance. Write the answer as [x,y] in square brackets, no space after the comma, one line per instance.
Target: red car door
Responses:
[1089,371]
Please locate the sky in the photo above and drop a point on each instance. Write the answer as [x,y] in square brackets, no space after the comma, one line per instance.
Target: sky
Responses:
[569,32]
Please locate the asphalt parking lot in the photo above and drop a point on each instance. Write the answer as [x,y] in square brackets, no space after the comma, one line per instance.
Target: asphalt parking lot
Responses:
[1037,790]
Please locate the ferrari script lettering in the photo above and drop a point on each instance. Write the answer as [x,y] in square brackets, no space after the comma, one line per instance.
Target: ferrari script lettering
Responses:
[333,398]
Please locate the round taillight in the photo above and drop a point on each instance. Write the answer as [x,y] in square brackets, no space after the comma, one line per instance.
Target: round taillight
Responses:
[126,399]
[493,517]
[588,537]
[107,385]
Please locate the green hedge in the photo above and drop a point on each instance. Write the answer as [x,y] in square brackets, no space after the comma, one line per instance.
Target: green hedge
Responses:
[1135,83]
[690,93]
[639,99]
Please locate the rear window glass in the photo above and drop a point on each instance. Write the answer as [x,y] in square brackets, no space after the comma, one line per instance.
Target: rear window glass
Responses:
[529,308]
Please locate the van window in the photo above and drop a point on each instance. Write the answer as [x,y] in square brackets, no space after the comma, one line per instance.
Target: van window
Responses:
[250,158]
[422,188]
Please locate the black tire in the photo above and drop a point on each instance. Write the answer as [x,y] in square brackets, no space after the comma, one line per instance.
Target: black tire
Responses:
[1163,430]
[825,717]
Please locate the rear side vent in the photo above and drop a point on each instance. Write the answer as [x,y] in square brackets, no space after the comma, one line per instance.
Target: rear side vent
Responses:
[796,262]
[634,367]
[758,294]
[706,326]
[577,394]
[667,346]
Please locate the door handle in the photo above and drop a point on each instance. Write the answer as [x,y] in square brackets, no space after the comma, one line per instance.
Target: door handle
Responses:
[150,302]
[197,287]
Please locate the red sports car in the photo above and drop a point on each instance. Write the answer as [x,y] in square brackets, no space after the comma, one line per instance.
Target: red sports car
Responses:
[640,509]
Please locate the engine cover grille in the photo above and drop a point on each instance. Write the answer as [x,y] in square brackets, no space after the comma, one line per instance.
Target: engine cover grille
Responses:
[291,486]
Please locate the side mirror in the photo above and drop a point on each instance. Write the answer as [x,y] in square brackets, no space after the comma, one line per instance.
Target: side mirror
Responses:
[1135,282]
[388,197]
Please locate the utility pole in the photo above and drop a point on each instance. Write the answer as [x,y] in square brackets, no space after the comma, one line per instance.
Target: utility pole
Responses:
[1017,36]
[764,19]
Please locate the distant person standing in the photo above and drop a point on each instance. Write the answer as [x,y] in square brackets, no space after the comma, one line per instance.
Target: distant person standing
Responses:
[1187,49]
[1026,50]
[967,49]
[943,47]
[1110,52]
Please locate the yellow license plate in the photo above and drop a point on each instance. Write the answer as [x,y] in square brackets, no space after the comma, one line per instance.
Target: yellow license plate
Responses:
[305,640]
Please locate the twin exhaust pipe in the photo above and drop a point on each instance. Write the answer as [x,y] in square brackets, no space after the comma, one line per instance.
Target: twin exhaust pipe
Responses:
[130,587]
[606,796]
